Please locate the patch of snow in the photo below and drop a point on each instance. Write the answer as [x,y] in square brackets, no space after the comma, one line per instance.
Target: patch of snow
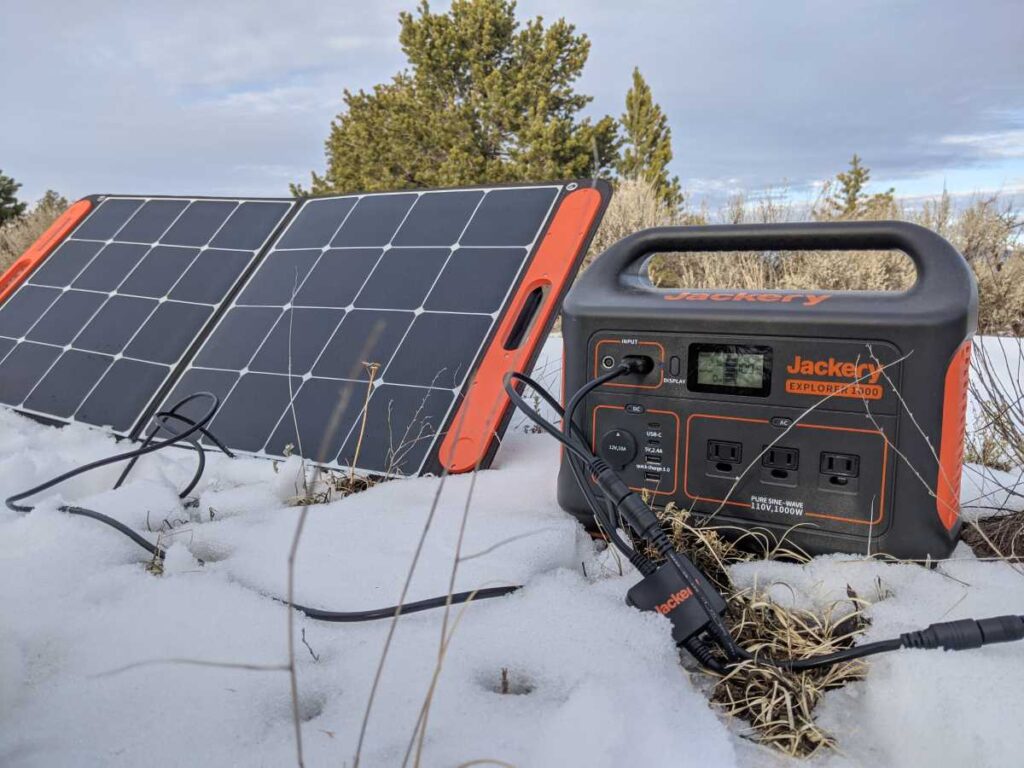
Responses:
[94,649]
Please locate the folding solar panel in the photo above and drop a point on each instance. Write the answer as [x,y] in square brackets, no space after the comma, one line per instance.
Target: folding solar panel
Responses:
[101,324]
[368,330]
[356,340]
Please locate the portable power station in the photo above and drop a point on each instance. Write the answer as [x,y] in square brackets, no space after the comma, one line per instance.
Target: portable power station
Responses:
[834,419]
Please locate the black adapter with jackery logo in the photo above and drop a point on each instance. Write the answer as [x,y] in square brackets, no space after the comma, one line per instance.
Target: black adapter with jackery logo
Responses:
[833,418]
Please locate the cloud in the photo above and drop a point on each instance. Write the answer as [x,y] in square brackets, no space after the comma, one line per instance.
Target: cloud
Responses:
[998,144]
[202,97]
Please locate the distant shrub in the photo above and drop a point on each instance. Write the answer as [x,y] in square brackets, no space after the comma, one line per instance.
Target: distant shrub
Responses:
[986,231]
[17,235]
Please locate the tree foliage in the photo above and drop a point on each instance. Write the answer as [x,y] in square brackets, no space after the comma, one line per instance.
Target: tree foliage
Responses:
[10,207]
[647,145]
[483,100]
[846,197]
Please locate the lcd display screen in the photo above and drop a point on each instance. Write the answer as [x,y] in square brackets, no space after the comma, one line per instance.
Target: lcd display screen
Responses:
[729,369]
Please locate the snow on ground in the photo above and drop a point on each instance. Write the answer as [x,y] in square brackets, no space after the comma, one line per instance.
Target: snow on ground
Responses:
[89,640]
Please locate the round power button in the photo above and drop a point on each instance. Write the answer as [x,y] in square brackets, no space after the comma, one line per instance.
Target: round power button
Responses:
[618,447]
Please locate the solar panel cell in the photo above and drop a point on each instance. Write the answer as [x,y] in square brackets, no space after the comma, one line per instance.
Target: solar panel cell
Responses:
[365,336]
[110,267]
[66,317]
[279,276]
[24,308]
[374,220]
[251,224]
[337,277]
[296,341]
[325,411]
[124,390]
[24,366]
[64,264]
[168,332]
[113,326]
[210,276]
[105,221]
[236,339]
[402,278]
[199,222]
[66,384]
[244,420]
[158,271]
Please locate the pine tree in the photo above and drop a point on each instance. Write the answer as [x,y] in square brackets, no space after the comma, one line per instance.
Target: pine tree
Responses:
[10,207]
[846,196]
[647,149]
[484,100]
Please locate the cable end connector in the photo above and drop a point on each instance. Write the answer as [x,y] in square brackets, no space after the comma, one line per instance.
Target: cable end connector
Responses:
[672,591]
[966,633]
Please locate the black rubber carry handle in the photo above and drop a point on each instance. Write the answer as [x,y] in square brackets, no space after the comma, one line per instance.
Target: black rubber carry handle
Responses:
[942,273]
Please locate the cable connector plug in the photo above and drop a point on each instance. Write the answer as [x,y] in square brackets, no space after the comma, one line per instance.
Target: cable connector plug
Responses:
[638,364]
[966,633]
[640,517]
[667,592]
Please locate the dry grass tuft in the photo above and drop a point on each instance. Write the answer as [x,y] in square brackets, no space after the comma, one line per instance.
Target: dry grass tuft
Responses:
[1000,536]
[778,705]
[17,236]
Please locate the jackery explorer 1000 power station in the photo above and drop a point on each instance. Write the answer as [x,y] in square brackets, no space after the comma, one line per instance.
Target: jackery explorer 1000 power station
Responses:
[835,419]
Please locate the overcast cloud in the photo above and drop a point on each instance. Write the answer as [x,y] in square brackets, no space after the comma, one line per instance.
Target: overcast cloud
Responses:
[237,97]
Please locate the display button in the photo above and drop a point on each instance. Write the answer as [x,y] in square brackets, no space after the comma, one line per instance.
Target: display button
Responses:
[618,447]
[673,366]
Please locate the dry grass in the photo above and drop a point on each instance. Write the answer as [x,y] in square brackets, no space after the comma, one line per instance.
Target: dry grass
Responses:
[986,231]
[777,704]
[999,536]
[17,236]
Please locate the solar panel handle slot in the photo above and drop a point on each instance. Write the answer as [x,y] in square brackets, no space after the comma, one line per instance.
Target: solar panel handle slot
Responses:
[533,302]
[942,273]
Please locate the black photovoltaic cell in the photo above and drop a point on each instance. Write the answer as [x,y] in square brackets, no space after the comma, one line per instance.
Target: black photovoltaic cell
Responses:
[97,330]
[411,282]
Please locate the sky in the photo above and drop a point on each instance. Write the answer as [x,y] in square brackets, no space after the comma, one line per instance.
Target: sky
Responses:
[237,97]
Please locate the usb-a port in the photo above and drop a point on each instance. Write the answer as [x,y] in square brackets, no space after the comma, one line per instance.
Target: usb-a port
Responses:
[652,477]
[652,459]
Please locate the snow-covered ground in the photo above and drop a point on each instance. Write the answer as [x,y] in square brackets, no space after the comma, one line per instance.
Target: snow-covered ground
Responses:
[91,643]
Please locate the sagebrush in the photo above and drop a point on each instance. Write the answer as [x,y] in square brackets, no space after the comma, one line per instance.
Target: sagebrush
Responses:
[986,231]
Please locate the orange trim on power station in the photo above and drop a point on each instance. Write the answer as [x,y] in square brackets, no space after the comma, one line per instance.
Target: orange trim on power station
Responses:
[675,468]
[951,445]
[850,520]
[597,355]
[42,247]
[474,427]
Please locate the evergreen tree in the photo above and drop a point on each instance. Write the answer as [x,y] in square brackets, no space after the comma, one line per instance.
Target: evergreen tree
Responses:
[846,196]
[647,149]
[10,207]
[484,100]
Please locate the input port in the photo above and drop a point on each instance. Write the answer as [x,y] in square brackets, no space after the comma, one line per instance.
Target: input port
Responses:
[608,362]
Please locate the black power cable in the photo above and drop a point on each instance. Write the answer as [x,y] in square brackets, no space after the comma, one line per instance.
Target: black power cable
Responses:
[703,623]
[188,435]
[704,627]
